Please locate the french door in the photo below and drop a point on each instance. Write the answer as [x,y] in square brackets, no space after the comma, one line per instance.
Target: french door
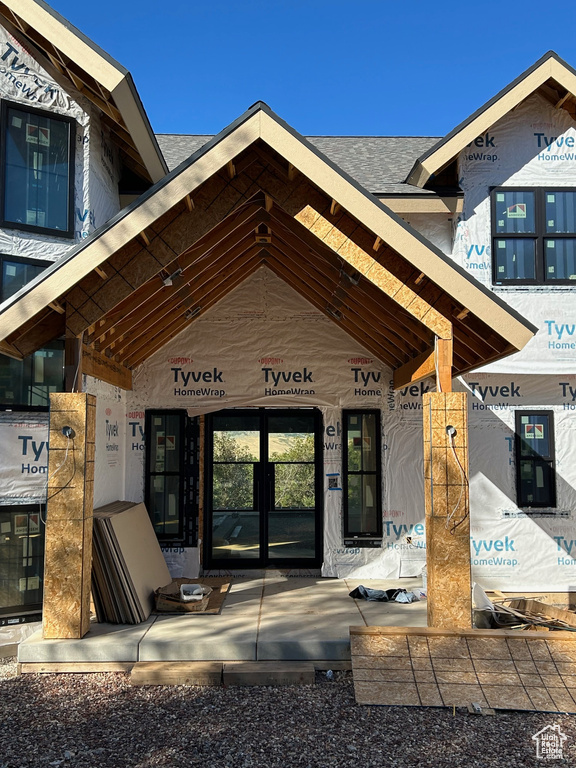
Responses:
[263,488]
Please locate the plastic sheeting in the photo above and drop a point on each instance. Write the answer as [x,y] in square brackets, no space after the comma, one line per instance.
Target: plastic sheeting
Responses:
[265,346]
[23,457]
[23,81]
[533,146]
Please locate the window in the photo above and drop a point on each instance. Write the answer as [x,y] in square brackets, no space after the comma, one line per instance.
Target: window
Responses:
[534,236]
[171,485]
[27,383]
[362,479]
[37,171]
[16,272]
[535,473]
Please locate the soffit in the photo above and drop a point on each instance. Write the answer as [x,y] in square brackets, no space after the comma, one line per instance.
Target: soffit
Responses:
[97,76]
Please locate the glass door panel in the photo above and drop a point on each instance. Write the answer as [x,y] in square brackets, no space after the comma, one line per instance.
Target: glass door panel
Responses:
[235,482]
[264,469]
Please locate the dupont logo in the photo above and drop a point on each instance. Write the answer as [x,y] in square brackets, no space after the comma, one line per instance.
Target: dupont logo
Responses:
[179,360]
[360,360]
[135,415]
[270,360]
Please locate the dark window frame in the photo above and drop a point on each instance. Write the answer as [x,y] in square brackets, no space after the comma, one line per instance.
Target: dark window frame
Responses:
[538,237]
[6,257]
[549,461]
[348,533]
[71,122]
[188,477]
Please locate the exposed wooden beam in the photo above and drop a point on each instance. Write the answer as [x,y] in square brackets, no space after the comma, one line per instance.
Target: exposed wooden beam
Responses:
[9,350]
[562,100]
[57,307]
[463,314]
[444,363]
[231,169]
[334,208]
[101,367]
[189,203]
[145,239]
[73,363]
[101,273]
[421,367]
[373,271]
[377,244]
[419,279]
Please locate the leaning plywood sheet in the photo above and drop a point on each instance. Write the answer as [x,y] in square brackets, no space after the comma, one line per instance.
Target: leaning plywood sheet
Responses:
[497,669]
[141,553]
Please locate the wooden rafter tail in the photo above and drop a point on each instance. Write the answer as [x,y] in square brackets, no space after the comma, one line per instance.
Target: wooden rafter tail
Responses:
[57,307]
[144,238]
[101,273]
[189,203]
[334,208]
[377,244]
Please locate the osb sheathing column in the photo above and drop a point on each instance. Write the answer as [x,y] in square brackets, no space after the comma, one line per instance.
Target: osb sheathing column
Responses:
[447,510]
[69,512]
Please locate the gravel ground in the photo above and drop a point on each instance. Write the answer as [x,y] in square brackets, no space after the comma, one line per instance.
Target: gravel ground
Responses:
[101,721]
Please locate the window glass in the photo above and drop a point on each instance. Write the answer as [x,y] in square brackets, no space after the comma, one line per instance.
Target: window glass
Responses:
[30,381]
[164,472]
[37,168]
[15,275]
[560,258]
[515,259]
[560,212]
[536,479]
[362,476]
[515,212]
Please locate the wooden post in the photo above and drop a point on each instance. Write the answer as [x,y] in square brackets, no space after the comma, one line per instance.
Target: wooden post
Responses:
[73,363]
[69,511]
[447,510]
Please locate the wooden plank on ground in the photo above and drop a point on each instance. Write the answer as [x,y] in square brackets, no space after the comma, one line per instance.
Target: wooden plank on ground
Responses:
[269,673]
[78,667]
[177,673]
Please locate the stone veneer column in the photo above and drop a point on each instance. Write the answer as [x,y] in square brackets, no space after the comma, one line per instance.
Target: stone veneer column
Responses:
[447,547]
[69,512]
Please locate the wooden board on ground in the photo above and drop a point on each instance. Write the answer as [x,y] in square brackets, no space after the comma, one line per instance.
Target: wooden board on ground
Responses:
[177,673]
[269,673]
[497,669]
[78,667]
[543,610]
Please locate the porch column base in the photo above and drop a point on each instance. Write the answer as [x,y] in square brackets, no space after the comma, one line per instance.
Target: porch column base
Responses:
[69,512]
[449,590]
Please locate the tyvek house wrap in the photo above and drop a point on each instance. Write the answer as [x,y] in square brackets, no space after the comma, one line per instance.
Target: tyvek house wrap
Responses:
[264,328]
[25,83]
[533,146]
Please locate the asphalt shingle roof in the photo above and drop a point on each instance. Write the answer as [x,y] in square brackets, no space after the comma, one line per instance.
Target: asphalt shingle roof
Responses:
[379,163]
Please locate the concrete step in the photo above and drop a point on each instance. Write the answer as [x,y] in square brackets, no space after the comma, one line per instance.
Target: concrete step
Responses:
[269,673]
[176,673]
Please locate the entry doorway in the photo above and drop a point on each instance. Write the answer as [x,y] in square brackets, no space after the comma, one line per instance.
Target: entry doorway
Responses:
[264,500]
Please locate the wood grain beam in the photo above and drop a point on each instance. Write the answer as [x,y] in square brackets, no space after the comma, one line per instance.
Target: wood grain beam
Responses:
[417,369]
[101,367]
[373,271]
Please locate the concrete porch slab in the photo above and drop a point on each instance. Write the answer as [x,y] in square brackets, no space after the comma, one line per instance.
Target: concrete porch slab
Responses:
[103,643]
[262,619]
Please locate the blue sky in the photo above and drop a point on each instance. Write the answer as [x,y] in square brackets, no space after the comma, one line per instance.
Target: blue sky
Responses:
[369,67]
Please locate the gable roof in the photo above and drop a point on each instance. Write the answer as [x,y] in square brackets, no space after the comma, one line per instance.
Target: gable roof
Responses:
[550,75]
[101,79]
[318,227]
[378,163]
